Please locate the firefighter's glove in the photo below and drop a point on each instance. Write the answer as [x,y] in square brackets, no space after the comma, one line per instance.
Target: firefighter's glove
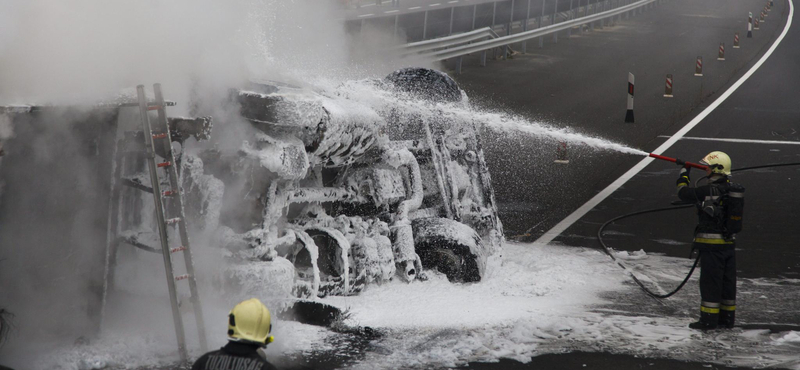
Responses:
[683,177]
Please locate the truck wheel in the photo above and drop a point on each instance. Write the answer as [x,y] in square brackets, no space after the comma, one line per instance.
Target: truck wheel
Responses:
[450,247]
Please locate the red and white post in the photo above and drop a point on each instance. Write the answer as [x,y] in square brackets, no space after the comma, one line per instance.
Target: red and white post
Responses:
[762,17]
[750,26]
[561,153]
[629,113]
[721,55]
[736,40]
[755,24]
[698,67]
[668,87]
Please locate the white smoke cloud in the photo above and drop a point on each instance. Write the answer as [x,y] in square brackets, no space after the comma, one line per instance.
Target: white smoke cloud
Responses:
[54,51]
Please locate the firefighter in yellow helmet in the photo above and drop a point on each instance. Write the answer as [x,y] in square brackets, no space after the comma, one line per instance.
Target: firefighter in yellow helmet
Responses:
[249,325]
[720,206]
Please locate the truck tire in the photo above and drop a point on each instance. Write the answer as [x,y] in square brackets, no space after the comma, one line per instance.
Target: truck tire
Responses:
[449,247]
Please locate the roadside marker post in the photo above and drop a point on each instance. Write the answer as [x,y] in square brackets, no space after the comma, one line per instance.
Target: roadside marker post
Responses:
[755,25]
[698,67]
[750,25]
[561,153]
[629,113]
[736,40]
[668,87]
[721,51]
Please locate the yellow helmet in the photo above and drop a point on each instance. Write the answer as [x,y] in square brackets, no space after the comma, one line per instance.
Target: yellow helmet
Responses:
[250,321]
[719,162]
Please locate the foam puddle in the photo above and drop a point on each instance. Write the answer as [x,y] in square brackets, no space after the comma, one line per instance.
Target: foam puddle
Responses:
[373,96]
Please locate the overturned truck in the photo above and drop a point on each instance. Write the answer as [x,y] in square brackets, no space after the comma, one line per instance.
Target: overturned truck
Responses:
[324,194]
[353,199]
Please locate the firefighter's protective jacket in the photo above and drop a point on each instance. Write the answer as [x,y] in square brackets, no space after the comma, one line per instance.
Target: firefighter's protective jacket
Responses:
[234,356]
[718,220]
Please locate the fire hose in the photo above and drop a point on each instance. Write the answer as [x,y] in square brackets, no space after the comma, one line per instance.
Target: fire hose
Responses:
[608,251]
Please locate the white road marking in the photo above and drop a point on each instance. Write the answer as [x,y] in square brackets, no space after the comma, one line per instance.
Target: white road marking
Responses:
[414,7]
[437,4]
[745,141]
[452,2]
[365,15]
[588,206]
[391,11]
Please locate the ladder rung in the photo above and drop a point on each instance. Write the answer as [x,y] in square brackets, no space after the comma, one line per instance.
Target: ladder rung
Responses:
[173,220]
[154,107]
[181,277]
[177,249]
[162,135]
[164,164]
[168,193]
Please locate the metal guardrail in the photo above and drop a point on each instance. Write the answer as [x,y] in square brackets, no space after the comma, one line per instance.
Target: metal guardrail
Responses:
[449,41]
[454,46]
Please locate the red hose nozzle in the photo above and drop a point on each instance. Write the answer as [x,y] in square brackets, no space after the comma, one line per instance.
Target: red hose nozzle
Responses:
[679,162]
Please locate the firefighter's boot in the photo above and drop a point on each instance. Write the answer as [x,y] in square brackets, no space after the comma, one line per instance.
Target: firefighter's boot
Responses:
[708,321]
[727,314]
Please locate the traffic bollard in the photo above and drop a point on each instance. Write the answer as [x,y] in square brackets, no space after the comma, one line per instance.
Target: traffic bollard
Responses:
[721,55]
[736,40]
[668,87]
[561,153]
[629,113]
[698,67]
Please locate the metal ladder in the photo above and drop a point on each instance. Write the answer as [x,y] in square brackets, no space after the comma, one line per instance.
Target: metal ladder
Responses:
[175,211]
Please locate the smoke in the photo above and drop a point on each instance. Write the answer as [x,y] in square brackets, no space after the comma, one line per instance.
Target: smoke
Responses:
[53,208]
[59,52]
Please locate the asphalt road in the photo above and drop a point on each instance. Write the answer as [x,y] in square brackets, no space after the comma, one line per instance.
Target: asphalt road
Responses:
[579,83]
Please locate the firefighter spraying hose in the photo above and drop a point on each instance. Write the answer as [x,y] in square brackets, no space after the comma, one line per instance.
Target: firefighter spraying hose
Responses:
[720,207]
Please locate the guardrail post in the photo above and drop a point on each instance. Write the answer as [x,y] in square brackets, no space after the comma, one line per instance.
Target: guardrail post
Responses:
[602,9]
[553,21]
[425,26]
[628,13]
[594,10]
[474,10]
[459,61]
[541,19]
[525,28]
[396,20]
[571,17]
[451,20]
[508,29]
[483,59]
[494,12]
[511,18]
